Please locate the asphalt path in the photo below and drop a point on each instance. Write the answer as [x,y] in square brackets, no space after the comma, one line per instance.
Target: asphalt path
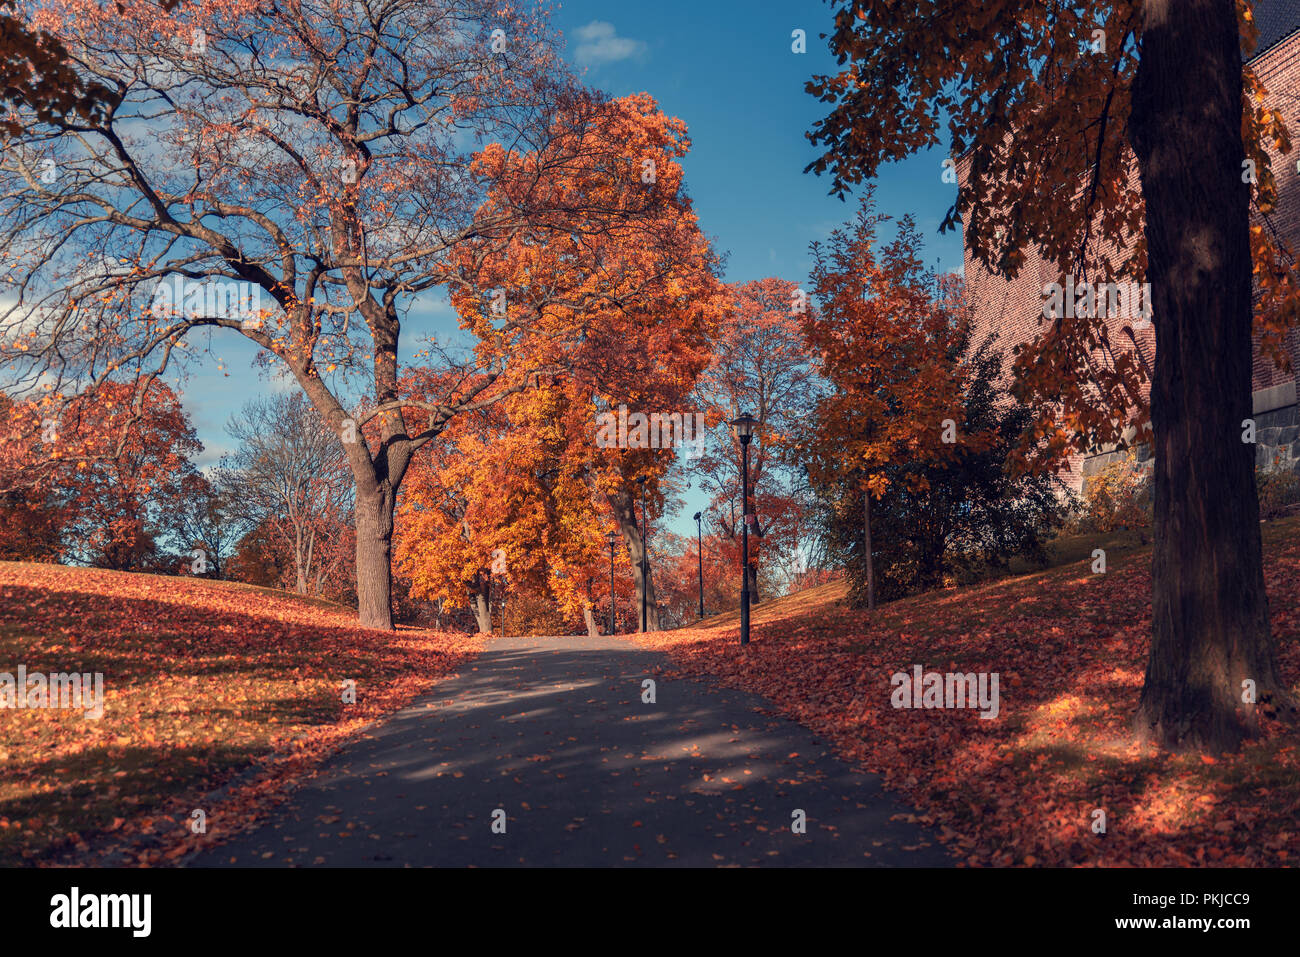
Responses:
[546,752]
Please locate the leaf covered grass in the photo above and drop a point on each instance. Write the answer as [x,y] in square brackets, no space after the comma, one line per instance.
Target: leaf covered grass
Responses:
[1022,789]
[216,697]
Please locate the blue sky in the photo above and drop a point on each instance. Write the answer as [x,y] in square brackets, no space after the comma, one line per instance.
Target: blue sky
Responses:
[728,71]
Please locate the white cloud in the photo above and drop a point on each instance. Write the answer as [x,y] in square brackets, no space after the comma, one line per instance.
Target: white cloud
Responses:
[600,43]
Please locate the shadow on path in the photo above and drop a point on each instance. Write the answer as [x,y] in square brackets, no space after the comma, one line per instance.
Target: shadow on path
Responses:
[553,732]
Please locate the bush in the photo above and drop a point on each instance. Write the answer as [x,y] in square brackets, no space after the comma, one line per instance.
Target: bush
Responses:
[1279,489]
[1118,498]
[973,509]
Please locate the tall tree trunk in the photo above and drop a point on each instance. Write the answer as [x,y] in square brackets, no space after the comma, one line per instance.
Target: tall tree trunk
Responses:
[589,616]
[482,610]
[374,516]
[866,548]
[1210,625]
[300,586]
[626,516]
[311,556]
[375,480]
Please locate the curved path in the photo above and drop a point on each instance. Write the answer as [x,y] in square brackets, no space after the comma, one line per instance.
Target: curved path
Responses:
[550,738]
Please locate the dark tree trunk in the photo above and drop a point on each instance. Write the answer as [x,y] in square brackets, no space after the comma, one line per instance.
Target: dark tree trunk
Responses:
[1210,626]
[626,516]
[866,549]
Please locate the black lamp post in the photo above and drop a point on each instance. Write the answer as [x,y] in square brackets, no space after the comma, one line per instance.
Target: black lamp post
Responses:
[611,537]
[645,552]
[699,555]
[744,428]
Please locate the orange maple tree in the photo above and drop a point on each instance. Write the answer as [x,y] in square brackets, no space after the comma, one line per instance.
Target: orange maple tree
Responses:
[879,336]
[107,473]
[625,319]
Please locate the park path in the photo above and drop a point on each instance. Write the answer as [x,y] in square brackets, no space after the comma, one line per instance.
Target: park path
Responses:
[554,733]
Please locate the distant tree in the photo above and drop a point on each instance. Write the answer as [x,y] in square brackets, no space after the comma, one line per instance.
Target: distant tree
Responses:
[288,474]
[206,527]
[122,483]
[259,558]
[32,510]
[760,366]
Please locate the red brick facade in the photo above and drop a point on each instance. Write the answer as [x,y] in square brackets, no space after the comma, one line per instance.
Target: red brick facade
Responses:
[1013,309]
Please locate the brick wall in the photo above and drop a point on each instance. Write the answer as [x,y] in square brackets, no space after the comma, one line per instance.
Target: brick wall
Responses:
[1013,309]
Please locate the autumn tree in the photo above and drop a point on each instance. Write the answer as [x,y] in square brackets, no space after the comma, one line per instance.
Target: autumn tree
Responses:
[625,341]
[680,565]
[206,524]
[1113,139]
[33,510]
[947,517]
[760,366]
[300,176]
[878,337]
[121,496]
[478,517]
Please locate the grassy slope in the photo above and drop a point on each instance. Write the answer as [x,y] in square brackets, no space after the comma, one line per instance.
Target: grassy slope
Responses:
[217,694]
[1070,648]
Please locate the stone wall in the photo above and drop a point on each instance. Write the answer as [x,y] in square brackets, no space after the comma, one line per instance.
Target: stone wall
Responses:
[1277,438]
[1276,432]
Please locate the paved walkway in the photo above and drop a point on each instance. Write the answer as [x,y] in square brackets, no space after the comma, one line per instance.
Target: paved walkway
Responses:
[553,732]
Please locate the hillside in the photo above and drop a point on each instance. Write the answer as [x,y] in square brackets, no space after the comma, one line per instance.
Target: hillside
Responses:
[1025,787]
[215,695]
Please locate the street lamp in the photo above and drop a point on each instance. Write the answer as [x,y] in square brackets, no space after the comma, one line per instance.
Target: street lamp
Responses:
[743,426]
[699,554]
[611,537]
[645,552]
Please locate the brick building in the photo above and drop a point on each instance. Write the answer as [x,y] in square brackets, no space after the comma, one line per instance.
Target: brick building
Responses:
[1013,309]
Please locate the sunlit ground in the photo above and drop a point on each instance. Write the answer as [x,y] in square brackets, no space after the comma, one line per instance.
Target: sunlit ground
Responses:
[1070,648]
[205,684]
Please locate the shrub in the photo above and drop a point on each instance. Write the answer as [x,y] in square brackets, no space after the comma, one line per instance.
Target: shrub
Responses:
[973,509]
[1278,489]
[1118,498]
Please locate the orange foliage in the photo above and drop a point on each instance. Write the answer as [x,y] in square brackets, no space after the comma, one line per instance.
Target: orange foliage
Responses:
[1020,790]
